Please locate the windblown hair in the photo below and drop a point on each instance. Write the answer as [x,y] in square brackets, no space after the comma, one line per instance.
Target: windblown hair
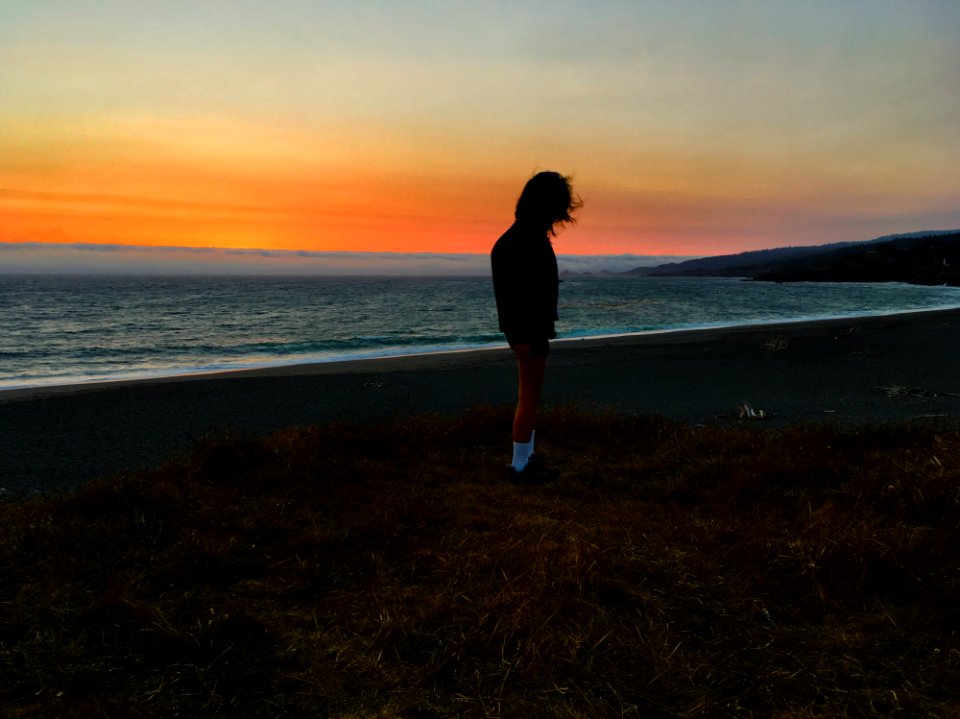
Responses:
[547,200]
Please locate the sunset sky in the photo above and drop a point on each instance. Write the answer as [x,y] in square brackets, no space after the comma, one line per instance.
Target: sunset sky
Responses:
[690,128]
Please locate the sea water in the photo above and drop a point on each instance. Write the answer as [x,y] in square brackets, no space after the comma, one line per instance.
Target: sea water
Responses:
[68,329]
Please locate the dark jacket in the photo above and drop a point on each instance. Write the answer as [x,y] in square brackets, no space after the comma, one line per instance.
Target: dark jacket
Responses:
[525,283]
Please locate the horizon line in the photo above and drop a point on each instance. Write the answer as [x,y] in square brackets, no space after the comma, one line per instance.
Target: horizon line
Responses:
[32,257]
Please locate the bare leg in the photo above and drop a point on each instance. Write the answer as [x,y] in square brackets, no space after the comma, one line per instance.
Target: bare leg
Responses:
[530,371]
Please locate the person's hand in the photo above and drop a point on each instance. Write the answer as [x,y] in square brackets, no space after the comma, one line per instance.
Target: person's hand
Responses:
[522,351]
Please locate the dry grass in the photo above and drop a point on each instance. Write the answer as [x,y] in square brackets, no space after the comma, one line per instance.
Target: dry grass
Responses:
[388,571]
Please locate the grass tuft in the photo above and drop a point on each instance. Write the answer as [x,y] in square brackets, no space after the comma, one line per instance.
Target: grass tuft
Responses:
[389,571]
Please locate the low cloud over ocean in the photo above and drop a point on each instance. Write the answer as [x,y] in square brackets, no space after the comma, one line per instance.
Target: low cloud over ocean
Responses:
[80,258]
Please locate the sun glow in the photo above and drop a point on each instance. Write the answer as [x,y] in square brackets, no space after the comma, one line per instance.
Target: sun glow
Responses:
[699,131]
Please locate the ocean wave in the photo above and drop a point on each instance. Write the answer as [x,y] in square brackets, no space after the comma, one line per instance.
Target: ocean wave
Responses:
[91,329]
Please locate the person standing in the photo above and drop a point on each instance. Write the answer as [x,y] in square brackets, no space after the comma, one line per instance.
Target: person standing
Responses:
[525,284]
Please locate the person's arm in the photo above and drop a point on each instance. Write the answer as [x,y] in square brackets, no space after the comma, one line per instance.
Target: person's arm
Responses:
[506,288]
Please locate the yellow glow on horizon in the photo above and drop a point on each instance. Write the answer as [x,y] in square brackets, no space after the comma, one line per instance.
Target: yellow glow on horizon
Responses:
[374,127]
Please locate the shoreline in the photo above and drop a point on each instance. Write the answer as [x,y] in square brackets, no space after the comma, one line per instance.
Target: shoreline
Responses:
[845,370]
[351,364]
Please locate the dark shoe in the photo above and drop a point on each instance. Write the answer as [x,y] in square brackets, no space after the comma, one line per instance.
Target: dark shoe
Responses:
[536,472]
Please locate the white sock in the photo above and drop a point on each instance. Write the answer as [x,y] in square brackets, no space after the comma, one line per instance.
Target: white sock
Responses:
[521,454]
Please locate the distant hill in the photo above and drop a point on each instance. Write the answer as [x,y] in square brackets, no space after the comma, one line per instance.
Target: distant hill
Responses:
[918,257]
[719,265]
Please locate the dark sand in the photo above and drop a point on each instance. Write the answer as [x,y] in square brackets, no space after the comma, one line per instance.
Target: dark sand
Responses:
[875,369]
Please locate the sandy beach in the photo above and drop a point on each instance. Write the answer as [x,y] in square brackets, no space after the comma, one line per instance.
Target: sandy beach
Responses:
[864,370]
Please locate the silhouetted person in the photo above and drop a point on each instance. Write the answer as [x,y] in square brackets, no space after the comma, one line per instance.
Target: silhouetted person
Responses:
[525,282]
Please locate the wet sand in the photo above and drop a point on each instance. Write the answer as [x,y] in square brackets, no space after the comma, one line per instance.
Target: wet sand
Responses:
[852,371]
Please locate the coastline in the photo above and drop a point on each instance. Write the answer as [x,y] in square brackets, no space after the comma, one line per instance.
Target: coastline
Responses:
[840,370]
[384,362]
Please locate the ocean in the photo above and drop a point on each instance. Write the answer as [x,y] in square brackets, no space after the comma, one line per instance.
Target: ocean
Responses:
[69,329]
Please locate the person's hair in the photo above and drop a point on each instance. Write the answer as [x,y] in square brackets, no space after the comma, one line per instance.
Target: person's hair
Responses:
[547,200]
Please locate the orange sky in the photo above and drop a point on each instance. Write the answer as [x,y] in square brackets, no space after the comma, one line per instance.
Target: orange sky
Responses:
[706,129]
